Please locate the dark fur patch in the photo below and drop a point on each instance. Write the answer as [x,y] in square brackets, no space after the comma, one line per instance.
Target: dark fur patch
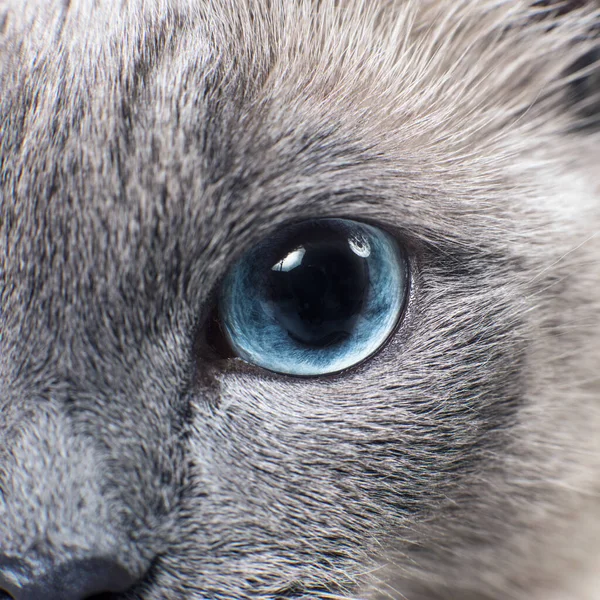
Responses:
[585,90]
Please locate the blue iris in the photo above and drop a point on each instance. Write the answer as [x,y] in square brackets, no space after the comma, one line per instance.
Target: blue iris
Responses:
[315,298]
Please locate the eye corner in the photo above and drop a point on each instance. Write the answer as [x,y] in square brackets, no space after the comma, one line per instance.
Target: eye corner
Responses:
[212,343]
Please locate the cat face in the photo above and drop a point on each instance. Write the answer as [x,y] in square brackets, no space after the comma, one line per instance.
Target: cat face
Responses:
[147,150]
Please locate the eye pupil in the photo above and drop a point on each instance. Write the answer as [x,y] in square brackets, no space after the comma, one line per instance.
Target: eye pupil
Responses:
[319,298]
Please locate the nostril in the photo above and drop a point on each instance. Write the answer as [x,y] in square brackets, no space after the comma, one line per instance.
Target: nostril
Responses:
[87,579]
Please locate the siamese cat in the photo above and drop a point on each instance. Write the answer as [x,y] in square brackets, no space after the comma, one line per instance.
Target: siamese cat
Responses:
[299,299]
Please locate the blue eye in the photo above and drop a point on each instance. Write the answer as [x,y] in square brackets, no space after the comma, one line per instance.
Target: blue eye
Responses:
[315,298]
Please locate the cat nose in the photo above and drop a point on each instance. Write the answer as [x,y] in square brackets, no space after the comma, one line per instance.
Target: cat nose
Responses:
[82,579]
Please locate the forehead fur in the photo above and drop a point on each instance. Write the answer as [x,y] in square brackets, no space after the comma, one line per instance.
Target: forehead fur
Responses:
[377,71]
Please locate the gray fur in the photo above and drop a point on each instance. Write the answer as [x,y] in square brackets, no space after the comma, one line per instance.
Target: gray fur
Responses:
[145,145]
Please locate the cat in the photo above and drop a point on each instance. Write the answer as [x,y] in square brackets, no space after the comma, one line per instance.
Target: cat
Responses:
[146,147]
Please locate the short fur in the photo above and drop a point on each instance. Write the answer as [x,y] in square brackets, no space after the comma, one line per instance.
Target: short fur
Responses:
[146,145]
